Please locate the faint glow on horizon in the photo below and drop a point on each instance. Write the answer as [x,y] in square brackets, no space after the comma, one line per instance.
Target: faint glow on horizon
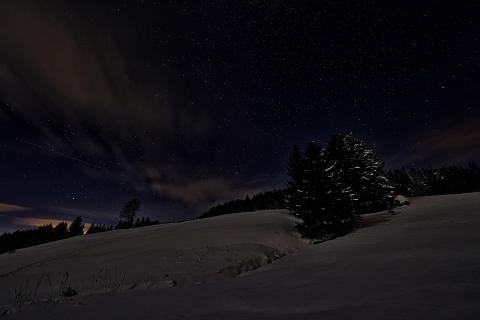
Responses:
[37,222]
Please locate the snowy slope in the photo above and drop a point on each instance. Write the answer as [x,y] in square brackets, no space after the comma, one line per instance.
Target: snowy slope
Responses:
[422,264]
[150,257]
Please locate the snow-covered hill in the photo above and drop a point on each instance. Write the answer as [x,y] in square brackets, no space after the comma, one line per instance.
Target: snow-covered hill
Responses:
[422,264]
[166,255]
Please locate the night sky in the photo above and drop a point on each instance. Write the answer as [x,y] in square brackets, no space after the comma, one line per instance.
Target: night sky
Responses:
[188,103]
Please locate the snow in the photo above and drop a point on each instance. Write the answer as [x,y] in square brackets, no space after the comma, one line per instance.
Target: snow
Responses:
[330,168]
[421,263]
[192,252]
[400,200]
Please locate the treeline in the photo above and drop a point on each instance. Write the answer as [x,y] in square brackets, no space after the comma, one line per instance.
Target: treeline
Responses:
[9,242]
[415,182]
[262,201]
[43,234]
[143,222]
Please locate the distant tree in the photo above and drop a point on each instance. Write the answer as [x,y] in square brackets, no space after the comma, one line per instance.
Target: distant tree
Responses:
[60,231]
[92,228]
[76,227]
[129,211]
[416,182]
[46,233]
[248,204]
[137,223]
[43,234]
[411,182]
[274,199]
[122,224]
[96,228]
[143,222]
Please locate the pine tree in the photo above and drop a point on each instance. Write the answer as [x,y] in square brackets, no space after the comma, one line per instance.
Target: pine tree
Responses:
[76,227]
[60,231]
[96,228]
[318,196]
[296,184]
[359,168]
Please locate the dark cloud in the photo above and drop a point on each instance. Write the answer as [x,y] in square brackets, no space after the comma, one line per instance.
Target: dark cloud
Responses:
[457,144]
[194,192]
[68,78]
[76,75]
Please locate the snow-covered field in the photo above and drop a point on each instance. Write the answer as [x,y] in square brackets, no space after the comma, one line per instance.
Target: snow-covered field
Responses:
[424,263]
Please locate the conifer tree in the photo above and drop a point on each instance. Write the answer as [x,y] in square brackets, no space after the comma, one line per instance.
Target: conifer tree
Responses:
[96,228]
[296,183]
[359,169]
[318,196]
[60,231]
[76,227]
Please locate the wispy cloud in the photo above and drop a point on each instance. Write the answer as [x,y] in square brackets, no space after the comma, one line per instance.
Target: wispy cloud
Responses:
[458,143]
[193,192]
[69,79]
[6,208]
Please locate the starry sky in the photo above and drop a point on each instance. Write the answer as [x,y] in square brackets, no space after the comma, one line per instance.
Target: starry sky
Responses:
[184,104]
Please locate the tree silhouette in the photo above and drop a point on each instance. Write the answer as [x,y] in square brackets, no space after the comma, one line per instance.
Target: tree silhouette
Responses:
[9,242]
[60,231]
[274,199]
[96,228]
[76,227]
[129,211]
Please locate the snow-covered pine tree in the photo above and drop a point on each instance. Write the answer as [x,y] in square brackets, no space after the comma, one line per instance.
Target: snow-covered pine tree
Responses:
[295,185]
[318,196]
[419,184]
[359,169]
